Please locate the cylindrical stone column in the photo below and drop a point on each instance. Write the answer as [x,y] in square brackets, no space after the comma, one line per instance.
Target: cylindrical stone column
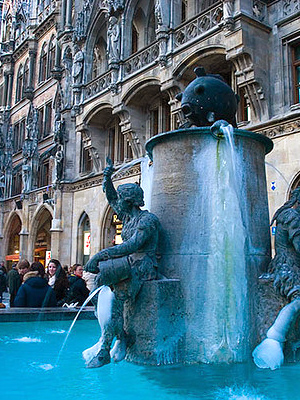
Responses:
[212,205]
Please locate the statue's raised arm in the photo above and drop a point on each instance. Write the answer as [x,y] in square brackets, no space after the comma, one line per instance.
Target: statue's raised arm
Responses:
[107,185]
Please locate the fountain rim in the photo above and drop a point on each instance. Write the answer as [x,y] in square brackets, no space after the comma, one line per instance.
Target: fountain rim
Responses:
[161,137]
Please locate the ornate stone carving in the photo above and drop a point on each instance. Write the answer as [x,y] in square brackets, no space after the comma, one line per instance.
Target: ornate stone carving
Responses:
[67,63]
[198,26]
[246,78]
[281,129]
[146,57]
[228,7]
[113,40]
[30,152]
[259,9]
[77,68]
[113,6]
[290,7]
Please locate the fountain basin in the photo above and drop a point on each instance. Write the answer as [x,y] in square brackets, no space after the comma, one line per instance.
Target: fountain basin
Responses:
[32,359]
[216,239]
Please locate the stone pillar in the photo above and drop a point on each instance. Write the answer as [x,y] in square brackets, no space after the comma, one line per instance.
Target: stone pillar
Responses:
[24,246]
[69,14]
[9,88]
[56,227]
[63,14]
[5,90]
[32,57]
[24,233]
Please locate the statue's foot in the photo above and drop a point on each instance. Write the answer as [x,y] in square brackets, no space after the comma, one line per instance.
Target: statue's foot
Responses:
[118,352]
[102,358]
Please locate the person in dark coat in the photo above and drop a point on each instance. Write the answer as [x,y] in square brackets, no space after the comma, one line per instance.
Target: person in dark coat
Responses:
[78,291]
[3,286]
[57,279]
[13,281]
[35,291]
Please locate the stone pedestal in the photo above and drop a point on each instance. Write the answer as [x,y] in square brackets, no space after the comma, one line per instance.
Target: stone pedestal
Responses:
[156,324]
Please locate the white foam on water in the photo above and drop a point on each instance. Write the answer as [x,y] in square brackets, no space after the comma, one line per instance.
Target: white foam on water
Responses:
[45,367]
[239,393]
[59,331]
[27,339]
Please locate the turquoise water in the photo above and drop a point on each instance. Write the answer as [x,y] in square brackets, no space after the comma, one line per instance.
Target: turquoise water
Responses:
[28,353]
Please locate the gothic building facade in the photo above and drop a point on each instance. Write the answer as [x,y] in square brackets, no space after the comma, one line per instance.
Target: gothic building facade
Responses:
[81,81]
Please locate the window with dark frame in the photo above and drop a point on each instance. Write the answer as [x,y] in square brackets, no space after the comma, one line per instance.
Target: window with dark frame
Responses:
[296,72]
[183,10]
[41,123]
[44,170]
[48,120]
[16,183]
[51,58]
[86,164]
[19,88]
[134,40]
[43,64]
[26,76]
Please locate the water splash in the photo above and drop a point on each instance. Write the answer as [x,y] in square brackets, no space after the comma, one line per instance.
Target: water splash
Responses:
[104,312]
[239,393]
[147,181]
[226,306]
[75,319]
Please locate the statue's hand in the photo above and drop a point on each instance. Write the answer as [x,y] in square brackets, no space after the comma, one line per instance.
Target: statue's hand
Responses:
[103,255]
[92,264]
[109,169]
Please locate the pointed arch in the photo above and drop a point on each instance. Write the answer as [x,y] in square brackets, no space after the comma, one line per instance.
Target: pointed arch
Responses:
[96,42]
[83,239]
[26,76]
[12,230]
[51,56]
[40,223]
[20,83]
[110,229]
[43,63]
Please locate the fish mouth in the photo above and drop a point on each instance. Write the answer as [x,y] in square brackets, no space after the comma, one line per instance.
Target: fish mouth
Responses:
[187,111]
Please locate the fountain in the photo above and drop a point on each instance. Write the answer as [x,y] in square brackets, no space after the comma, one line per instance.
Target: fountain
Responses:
[206,305]
[208,189]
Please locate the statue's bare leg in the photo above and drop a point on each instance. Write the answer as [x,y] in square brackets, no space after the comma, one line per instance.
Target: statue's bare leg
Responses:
[111,324]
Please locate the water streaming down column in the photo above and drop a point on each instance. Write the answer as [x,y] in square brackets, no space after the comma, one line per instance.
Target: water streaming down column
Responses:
[212,204]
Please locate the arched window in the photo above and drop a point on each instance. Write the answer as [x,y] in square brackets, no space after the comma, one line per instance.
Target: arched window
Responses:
[84,239]
[99,58]
[43,64]
[138,32]
[151,27]
[26,76]
[20,87]
[134,39]
[51,57]
[184,10]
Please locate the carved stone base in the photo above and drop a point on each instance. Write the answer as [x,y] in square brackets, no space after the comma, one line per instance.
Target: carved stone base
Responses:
[155,324]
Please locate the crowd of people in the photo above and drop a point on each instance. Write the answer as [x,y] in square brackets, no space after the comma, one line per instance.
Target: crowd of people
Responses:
[31,285]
